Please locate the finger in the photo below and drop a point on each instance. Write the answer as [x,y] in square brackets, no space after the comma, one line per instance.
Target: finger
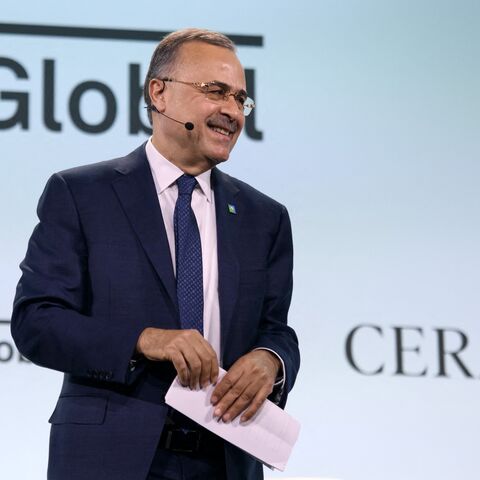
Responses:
[207,358]
[195,351]
[238,390]
[256,404]
[194,364]
[225,384]
[206,367]
[211,375]
[214,371]
[209,361]
[181,367]
[240,404]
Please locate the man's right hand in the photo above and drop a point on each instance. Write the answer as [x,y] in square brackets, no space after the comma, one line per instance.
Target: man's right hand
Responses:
[192,356]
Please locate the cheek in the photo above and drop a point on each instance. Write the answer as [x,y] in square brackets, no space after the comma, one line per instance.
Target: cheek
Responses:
[239,131]
[202,109]
[241,123]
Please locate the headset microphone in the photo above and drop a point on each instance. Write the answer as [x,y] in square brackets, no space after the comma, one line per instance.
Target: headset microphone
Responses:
[188,125]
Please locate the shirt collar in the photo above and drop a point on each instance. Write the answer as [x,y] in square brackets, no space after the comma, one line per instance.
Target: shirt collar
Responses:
[165,173]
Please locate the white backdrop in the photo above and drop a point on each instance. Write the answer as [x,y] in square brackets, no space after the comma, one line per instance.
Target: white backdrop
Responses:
[370,118]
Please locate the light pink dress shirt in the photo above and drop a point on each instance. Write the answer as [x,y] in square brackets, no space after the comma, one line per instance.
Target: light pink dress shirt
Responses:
[165,175]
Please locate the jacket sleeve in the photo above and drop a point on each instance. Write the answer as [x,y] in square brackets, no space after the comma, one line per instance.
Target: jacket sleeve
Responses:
[275,334]
[52,324]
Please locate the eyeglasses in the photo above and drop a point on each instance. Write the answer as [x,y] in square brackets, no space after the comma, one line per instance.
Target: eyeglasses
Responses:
[219,91]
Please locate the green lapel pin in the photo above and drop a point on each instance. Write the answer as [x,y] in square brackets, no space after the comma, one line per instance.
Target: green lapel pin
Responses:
[232,209]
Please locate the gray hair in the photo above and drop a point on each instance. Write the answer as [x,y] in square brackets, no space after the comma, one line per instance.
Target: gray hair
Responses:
[166,52]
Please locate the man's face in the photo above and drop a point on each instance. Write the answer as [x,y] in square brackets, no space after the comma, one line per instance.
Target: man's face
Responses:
[217,123]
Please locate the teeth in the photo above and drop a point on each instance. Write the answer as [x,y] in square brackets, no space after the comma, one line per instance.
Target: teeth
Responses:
[221,130]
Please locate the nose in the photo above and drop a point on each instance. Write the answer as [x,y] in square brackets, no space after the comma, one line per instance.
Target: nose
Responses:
[230,107]
[237,103]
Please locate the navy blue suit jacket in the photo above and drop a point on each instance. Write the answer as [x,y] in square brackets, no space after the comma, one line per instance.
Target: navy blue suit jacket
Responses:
[98,271]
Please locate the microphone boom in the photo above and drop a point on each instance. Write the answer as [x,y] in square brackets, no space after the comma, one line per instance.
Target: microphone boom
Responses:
[188,125]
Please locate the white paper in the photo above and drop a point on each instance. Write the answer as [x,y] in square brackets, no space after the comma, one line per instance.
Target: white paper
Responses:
[269,436]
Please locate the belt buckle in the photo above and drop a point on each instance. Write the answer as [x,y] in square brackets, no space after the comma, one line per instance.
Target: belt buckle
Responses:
[182,440]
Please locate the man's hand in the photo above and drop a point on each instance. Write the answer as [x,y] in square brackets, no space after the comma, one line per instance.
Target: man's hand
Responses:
[192,356]
[246,385]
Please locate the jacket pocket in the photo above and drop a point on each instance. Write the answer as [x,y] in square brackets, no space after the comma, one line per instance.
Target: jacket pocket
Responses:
[79,410]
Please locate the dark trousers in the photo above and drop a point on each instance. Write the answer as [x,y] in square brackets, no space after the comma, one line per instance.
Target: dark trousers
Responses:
[206,461]
[168,465]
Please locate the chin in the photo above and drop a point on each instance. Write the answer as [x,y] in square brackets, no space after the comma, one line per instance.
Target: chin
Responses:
[219,158]
[215,160]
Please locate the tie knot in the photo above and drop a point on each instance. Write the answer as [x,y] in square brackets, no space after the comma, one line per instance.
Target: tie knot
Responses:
[186,184]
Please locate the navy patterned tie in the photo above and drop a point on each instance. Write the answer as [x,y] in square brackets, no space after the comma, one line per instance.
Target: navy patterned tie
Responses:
[188,253]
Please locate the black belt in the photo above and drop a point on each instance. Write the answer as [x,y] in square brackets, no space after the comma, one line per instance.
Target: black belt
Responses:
[187,440]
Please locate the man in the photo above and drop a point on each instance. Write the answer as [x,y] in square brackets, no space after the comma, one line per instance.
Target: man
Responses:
[158,264]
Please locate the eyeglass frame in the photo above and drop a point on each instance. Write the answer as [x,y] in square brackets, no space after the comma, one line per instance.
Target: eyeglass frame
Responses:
[248,103]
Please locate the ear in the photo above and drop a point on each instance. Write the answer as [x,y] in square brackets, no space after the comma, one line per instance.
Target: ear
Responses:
[156,90]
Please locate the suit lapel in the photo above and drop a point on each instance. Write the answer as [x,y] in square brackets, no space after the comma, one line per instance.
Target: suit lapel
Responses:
[228,229]
[136,192]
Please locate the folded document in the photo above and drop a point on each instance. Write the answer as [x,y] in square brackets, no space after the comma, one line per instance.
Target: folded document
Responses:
[269,436]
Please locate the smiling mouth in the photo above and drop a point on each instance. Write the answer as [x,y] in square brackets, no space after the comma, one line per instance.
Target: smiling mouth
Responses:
[222,131]
[222,125]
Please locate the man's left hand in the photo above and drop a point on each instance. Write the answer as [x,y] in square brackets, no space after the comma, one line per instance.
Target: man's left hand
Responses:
[245,386]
